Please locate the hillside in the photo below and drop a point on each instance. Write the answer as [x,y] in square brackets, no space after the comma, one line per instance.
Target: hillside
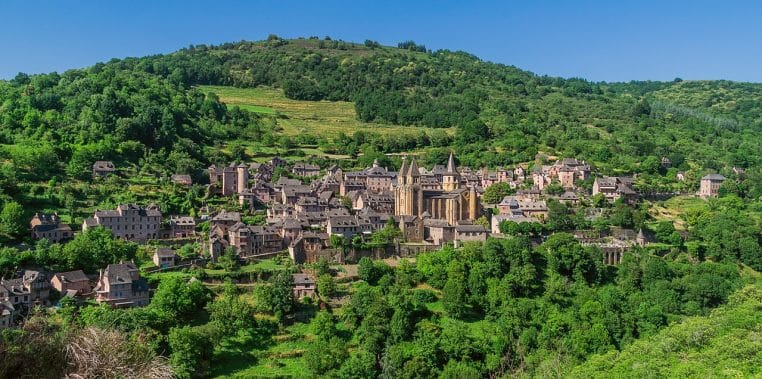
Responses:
[726,343]
[499,114]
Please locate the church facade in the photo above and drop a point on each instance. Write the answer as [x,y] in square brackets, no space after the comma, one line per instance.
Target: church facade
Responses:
[450,200]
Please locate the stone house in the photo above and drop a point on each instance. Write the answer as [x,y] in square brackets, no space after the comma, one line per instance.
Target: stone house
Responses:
[255,240]
[710,185]
[381,202]
[290,194]
[6,314]
[305,169]
[32,288]
[225,219]
[182,226]
[290,229]
[307,246]
[438,231]
[102,169]
[217,246]
[569,197]
[304,286]
[128,221]
[121,286]
[567,171]
[466,233]
[310,204]
[527,207]
[181,179]
[613,188]
[164,257]
[73,282]
[347,226]
[50,227]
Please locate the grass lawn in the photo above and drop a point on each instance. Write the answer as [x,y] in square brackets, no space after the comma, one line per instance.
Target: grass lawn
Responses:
[298,117]
[675,209]
[246,356]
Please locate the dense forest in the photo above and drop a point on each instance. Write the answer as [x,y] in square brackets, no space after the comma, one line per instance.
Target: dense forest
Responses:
[147,108]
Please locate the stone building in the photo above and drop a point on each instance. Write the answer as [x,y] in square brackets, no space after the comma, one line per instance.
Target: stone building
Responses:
[182,226]
[452,203]
[181,179]
[305,169]
[304,286]
[72,282]
[614,187]
[121,286]
[710,185]
[102,169]
[232,179]
[164,257]
[255,239]
[128,221]
[32,288]
[50,227]
[567,171]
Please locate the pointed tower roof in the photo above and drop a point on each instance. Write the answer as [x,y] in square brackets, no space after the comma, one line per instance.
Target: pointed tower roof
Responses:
[375,163]
[451,164]
[413,169]
[403,167]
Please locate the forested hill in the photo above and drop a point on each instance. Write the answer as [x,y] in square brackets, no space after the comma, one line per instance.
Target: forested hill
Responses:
[136,107]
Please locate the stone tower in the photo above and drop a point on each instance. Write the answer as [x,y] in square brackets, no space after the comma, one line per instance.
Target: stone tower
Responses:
[472,204]
[242,178]
[451,179]
[408,196]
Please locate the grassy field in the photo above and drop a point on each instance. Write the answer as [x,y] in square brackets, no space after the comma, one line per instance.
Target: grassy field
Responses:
[244,357]
[297,117]
[675,209]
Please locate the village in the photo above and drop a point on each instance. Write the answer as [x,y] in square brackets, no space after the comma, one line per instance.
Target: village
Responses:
[327,214]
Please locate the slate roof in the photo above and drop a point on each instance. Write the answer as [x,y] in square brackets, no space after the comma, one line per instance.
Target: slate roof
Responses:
[713,177]
[72,276]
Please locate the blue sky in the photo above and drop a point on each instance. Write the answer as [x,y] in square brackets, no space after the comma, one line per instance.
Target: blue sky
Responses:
[615,40]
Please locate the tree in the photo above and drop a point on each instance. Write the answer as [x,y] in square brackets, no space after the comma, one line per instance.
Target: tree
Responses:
[567,257]
[368,271]
[322,267]
[496,192]
[191,351]
[324,356]
[228,260]
[180,298]
[559,216]
[282,295]
[454,296]
[642,108]
[324,326]
[12,221]
[229,313]
[360,365]
[554,188]
[94,249]
[460,370]
[326,287]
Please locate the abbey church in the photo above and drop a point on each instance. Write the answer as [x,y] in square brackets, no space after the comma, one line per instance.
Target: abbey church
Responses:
[446,200]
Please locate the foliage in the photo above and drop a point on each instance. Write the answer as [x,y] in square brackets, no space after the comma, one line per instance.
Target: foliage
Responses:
[180,298]
[282,295]
[716,345]
[229,313]
[191,351]
[496,192]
